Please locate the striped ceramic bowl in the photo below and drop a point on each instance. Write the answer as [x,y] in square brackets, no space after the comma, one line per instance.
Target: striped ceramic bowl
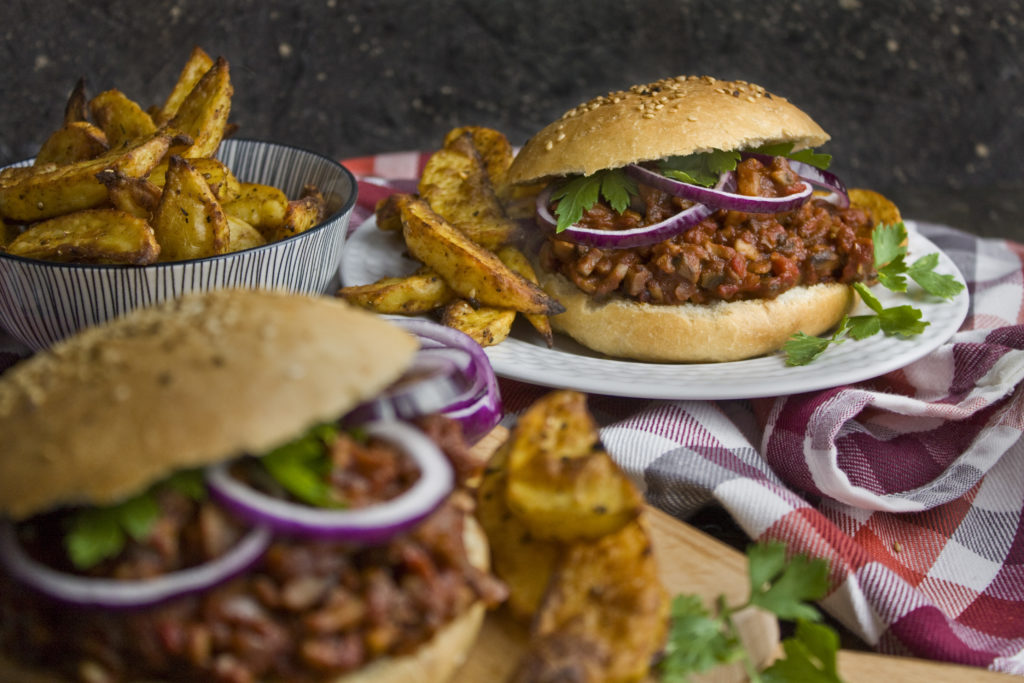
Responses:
[42,302]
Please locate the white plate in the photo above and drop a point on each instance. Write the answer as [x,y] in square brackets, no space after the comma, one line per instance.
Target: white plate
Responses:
[372,254]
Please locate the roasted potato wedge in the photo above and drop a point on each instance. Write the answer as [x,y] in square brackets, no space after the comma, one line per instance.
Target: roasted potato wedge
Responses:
[471,271]
[456,186]
[189,221]
[412,295]
[261,206]
[136,196]
[485,324]
[241,235]
[607,594]
[512,257]
[91,236]
[121,119]
[493,147]
[881,207]
[219,177]
[203,115]
[8,232]
[524,562]
[299,216]
[388,214]
[197,65]
[560,484]
[73,142]
[77,106]
[53,191]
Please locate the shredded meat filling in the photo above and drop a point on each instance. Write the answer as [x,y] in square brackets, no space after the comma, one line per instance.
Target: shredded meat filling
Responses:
[309,610]
[730,255]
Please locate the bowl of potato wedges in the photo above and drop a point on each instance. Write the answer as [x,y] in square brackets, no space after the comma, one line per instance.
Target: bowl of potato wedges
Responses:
[124,207]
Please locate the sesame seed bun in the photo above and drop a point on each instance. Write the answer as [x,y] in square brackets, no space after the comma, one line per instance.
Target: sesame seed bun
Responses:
[194,381]
[673,116]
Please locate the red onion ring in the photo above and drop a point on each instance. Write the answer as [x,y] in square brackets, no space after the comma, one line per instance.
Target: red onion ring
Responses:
[621,239]
[479,409]
[719,197]
[838,194]
[107,593]
[371,524]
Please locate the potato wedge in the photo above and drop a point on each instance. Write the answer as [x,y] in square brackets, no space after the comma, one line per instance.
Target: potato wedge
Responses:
[882,209]
[136,196]
[77,106]
[218,176]
[121,119]
[512,257]
[203,114]
[470,270]
[493,147]
[91,236]
[299,216]
[241,235]
[53,191]
[524,562]
[73,142]
[412,295]
[197,65]
[456,185]
[486,325]
[8,232]
[189,221]
[607,594]
[388,214]
[560,484]
[261,206]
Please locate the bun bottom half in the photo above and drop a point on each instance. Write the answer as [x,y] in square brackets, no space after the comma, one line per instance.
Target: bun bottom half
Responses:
[695,333]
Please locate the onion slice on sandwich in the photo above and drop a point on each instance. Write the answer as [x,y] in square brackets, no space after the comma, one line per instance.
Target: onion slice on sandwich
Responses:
[370,524]
[478,407]
[722,195]
[109,593]
[621,239]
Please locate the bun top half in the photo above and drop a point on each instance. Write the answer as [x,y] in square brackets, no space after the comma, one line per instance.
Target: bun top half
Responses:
[193,381]
[673,116]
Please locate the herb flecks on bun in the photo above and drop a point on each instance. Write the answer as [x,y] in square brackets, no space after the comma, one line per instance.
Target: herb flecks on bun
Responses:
[180,499]
[690,220]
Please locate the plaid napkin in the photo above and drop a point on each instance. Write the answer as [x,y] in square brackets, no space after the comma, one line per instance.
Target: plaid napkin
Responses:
[911,485]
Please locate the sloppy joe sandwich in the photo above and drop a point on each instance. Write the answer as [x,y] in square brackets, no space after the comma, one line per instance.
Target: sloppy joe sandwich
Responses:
[690,220]
[181,499]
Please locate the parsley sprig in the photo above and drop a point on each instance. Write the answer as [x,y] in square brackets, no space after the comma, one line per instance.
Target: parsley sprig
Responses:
[703,168]
[901,321]
[700,640]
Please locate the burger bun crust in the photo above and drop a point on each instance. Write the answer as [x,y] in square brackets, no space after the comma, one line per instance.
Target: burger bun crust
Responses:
[673,116]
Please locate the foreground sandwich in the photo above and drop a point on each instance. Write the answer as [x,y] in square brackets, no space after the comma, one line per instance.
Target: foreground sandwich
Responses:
[679,222]
[179,502]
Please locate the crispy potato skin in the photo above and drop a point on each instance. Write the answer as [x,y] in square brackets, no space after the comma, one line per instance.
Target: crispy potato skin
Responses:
[189,221]
[419,293]
[485,324]
[108,236]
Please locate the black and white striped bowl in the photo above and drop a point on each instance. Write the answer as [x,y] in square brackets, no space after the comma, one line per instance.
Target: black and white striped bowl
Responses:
[42,302]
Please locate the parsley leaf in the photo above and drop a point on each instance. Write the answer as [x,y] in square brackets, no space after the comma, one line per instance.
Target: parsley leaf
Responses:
[802,348]
[301,467]
[700,640]
[922,271]
[699,169]
[810,655]
[807,156]
[582,192]
[903,321]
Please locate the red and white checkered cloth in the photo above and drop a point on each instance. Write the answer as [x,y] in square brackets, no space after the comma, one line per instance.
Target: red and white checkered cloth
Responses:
[911,485]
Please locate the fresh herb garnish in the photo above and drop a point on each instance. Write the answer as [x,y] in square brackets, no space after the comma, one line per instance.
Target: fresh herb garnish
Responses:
[700,640]
[98,533]
[582,192]
[301,467]
[902,321]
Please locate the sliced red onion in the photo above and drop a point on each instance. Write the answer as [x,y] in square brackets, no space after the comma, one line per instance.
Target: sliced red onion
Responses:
[723,195]
[622,239]
[126,594]
[814,175]
[479,409]
[435,380]
[371,524]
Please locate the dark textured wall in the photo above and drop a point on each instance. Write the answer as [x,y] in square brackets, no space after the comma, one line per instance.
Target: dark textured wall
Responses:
[924,100]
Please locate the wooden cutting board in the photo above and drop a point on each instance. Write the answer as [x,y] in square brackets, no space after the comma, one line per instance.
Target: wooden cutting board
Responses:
[694,562]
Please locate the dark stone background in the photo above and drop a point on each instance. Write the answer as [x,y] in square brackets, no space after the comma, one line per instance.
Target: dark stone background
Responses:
[923,99]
